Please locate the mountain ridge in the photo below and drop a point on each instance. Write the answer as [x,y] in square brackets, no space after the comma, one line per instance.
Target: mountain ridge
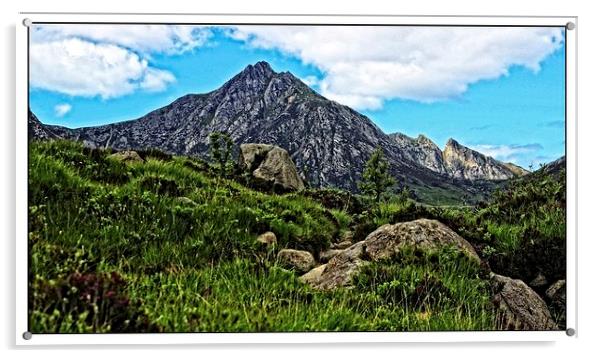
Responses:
[329,142]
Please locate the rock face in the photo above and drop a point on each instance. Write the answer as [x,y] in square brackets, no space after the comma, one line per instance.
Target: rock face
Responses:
[128,156]
[270,164]
[329,142]
[463,162]
[300,261]
[519,307]
[455,160]
[384,243]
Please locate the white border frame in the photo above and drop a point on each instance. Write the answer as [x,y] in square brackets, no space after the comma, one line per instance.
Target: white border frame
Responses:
[229,338]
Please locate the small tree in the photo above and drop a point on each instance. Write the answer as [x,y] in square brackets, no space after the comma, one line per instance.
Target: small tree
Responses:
[376,178]
[221,151]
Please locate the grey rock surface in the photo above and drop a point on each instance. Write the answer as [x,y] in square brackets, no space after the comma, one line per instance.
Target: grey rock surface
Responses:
[519,307]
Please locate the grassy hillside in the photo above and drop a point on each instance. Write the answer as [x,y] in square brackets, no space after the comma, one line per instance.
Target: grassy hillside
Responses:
[166,245]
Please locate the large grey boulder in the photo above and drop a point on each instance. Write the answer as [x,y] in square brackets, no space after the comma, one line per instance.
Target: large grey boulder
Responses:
[422,234]
[519,307]
[297,260]
[383,243]
[271,165]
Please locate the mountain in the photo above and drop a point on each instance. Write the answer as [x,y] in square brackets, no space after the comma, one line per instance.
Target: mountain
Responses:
[36,129]
[456,160]
[328,142]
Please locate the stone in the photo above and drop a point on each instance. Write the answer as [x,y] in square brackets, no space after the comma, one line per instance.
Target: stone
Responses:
[422,233]
[328,254]
[267,238]
[539,281]
[340,270]
[313,276]
[270,164]
[556,293]
[519,307]
[128,156]
[342,245]
[297,260]
[382,244]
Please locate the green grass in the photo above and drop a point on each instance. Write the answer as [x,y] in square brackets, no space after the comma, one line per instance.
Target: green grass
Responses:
[115,248]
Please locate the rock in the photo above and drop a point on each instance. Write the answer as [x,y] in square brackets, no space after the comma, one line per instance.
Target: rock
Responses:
[300,261]
[267,238]
[313,276]
[422,233]
[557,293]
[328,254]
[539,281]
[185,201]
[382,244]
[271,165]
[128,156]
[339,270]
[342,245]
[519,307]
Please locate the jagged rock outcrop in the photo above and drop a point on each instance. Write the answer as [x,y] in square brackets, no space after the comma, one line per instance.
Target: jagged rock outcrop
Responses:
[463,162]
[271,165]
[382,244]
[328,142]
[455,160]
[421,150]
[519,307]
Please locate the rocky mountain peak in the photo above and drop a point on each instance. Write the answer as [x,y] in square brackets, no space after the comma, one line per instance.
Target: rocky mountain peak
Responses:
[453,144]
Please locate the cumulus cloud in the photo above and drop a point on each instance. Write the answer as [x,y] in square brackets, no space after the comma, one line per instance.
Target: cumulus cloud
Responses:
[106,60]
[61,109]
[146,39]
[364,66]
[508,153]
[80,68]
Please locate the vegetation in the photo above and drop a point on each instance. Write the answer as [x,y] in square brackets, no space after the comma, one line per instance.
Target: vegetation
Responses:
[169,245]
[376,179]
[221,152]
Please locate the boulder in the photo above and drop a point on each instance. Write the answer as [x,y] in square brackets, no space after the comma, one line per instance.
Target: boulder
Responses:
[519,307]
[422,233]
[339,270]
[342,245]
[297,260]
[328,254]
[556,293]
[270,165]
[382,244]
[128,156]
[313,276]
[267,238]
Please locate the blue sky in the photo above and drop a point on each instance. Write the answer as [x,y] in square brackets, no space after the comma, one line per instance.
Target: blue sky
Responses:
[500,92]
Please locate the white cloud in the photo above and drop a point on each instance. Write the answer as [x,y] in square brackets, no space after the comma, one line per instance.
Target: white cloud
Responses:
[81,68]
[61,109]
[106,60]
[145,39]
[508,153]
[363,66]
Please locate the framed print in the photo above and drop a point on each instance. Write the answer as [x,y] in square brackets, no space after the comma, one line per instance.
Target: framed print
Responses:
[295,178]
